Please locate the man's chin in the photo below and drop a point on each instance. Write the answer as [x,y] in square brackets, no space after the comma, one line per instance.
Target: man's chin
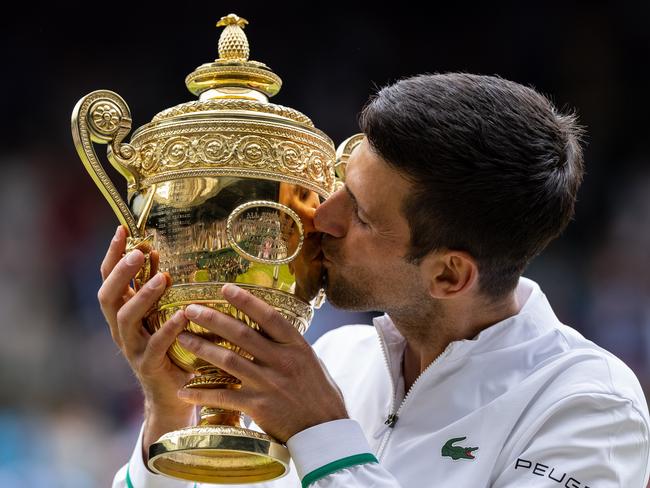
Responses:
[344,297]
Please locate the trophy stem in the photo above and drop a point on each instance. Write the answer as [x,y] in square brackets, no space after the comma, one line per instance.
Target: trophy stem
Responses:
[219,449]
[215,378]
[208,376]
[219,416]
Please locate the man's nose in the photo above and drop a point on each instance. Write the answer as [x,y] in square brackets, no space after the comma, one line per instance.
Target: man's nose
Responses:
[329,217]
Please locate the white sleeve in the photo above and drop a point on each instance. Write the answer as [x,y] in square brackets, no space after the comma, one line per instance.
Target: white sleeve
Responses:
[135,474]
[585,440]
[336,454]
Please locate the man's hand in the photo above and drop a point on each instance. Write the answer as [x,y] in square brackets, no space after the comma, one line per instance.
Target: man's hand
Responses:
[146,353]
[285,389]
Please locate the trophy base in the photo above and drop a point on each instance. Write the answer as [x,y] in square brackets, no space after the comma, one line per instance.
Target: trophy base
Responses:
[219,454]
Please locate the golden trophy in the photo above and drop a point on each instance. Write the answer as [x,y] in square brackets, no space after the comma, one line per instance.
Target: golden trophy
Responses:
[224,188]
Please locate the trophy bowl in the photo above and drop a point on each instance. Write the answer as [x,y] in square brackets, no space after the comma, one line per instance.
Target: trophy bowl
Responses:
[224,188]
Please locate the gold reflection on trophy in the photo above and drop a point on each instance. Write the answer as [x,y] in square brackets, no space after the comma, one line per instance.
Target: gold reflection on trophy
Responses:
[307,267]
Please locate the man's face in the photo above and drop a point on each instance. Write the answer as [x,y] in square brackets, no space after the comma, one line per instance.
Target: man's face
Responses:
[365,239]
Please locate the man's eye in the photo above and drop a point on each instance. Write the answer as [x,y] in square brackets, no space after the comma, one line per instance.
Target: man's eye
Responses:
[358,219]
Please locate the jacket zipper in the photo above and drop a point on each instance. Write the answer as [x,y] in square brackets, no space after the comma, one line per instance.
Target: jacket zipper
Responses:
[390,422]
[393,417]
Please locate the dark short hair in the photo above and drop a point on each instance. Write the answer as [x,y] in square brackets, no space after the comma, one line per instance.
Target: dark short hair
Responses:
[495,167]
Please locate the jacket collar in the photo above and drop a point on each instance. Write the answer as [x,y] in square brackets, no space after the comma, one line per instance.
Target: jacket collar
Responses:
[535,317]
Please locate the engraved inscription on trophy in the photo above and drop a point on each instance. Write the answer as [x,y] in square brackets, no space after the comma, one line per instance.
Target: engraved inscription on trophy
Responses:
[258,233]
[188,219]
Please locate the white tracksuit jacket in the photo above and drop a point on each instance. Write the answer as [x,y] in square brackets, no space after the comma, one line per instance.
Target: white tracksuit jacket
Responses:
[528,402]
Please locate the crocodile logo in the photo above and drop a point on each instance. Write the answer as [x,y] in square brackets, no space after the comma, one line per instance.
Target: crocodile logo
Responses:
[457,452]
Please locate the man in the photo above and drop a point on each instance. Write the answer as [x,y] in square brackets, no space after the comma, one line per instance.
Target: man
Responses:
[469,379]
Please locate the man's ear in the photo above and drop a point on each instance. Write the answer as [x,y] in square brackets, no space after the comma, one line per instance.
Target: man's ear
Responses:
[449,273]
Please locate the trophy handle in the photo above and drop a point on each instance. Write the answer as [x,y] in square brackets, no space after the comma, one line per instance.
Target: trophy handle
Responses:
[104,117]
[343,152]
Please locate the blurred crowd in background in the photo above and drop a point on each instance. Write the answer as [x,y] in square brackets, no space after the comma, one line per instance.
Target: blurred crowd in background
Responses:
[70,408]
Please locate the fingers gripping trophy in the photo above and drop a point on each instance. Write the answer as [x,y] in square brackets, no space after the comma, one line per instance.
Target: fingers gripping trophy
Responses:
[219,190]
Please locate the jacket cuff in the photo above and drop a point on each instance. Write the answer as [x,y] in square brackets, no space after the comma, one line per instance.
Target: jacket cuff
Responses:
[139,476]
[329,447]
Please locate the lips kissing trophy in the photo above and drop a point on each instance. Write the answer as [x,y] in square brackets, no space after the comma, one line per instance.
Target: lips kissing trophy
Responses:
[222,188]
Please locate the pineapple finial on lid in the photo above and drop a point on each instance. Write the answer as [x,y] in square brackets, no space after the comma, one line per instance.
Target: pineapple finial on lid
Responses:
[226,76]
[233,44]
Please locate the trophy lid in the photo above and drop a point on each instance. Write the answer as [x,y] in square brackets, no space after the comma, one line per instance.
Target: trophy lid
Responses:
[232,129]
[232,68]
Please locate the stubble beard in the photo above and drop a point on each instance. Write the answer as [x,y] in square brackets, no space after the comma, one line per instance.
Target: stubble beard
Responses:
[347,294]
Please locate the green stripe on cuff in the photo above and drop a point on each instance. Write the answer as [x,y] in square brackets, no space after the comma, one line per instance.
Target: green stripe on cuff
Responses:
[337,466]
[129,484]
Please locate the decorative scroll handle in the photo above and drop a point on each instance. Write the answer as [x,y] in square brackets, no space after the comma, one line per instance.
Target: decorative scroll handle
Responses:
[343,152]
[104,117]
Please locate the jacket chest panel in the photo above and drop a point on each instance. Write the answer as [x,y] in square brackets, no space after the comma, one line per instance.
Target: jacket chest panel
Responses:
[462,454]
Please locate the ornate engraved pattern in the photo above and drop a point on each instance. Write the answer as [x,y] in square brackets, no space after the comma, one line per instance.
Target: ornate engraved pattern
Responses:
[316,166]
[235,69]
[215,410]
[254,151]
[148,157]
[234,73]
[216,430]
[105,117]
[291,155]
[236,147]
[244,173]
[178,150]
[250,105]
[297,312]
[215,148]
[287,304]
[235,126]
[202,381]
